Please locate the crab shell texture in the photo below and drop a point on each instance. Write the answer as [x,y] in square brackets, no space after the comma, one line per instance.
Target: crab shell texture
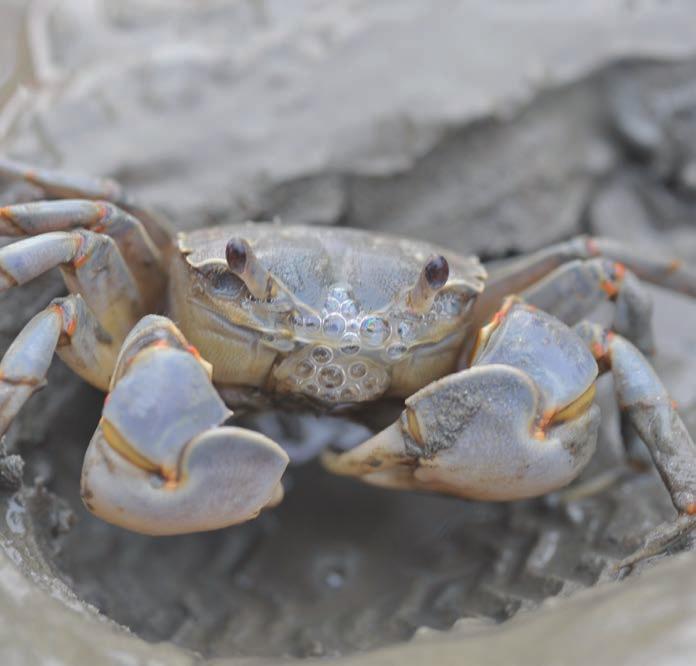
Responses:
[338,327]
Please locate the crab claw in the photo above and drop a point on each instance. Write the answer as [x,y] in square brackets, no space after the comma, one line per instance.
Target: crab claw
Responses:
[159,463]
[226,476]
[475,435]
[520,423]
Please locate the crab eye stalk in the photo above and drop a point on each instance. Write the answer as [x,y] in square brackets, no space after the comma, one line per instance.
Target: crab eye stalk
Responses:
[431,279]
[242,261]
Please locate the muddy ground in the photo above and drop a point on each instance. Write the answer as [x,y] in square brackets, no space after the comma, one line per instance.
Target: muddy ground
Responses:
[489,130]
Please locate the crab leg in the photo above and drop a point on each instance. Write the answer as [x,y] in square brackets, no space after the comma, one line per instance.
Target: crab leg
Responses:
[144,259]
[85,329]
[517,275]
[644,399]
[66,326]
[159,462]
[62,185]
[572,291]
[647,407]
[91,265]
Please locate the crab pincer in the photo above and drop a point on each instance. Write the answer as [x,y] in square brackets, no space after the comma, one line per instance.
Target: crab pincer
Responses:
[519,423]
[159,462]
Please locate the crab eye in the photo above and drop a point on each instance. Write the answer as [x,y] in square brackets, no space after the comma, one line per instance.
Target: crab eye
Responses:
[243,263]
[436,272]
[236,254]
[432,278]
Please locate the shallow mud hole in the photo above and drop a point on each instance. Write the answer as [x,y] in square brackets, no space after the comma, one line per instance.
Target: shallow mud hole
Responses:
[338,567]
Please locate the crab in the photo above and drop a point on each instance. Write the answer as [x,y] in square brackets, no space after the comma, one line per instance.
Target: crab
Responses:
[497,368]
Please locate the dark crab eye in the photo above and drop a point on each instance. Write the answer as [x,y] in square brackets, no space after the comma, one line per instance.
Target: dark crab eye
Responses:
[236,254]
[243,263]
[432,278]
[436,272]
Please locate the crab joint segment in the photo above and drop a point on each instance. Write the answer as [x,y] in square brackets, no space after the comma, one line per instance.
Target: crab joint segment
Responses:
[136,247]
[67,326]
[159,463]
[647,405]
[574,290]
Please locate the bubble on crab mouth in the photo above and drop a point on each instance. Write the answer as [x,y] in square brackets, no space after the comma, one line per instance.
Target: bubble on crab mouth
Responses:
[335,371]
[340,320]
[337,376]
[350,351]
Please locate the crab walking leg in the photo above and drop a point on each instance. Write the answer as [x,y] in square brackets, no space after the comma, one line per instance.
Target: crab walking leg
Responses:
[648,407]
[515,276]
[159,462]
[669,273]
[66,326]
[91,265]
[572,291]
[520,423]
[62,185]
[136,247]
